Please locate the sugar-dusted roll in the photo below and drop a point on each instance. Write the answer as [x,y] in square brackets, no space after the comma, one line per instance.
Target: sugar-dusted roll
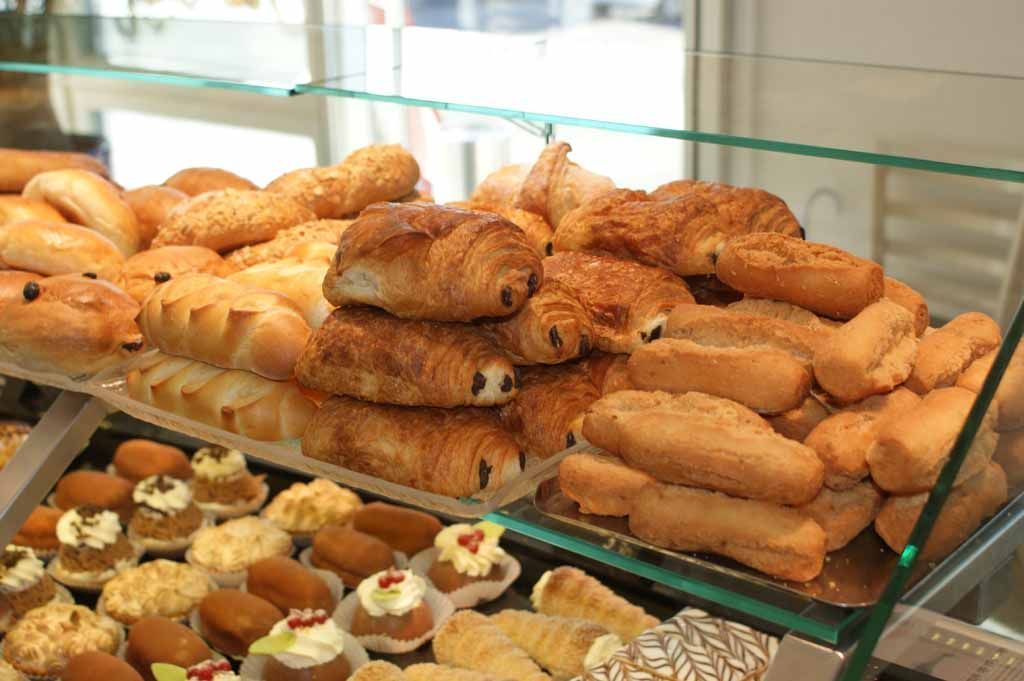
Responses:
[50,248]
[195,181]
[944,354]
[1009,399]
[19,166]
[146,270]
[601,485]
[15,208]
[844,514]
[470,640]
[151,205]
[911,300]
[300,282]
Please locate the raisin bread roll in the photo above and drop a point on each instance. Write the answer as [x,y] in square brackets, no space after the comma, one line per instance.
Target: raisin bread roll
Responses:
[144,271]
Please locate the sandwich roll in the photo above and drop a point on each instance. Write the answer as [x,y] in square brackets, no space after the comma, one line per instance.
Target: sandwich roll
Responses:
[777,540]
[909,299]
[50,248]
[302,283]
[787,312]
[1009,455]
[715,327]
[151,205]
[146,270]
[15,208]
[799,422]
[195,181]
[944,354]
[223,323]
[601,485]
[18,166]
[703,441]
[1009,399]
[843,515]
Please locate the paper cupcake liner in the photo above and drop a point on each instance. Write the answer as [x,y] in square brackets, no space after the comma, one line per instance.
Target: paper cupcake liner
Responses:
[119,651]
[92,584]
[169,548]
[440,606]
[252,666]
[101,608]
[225,580]
[472,594]
[306,558]
[334,583]
[62,595]
[229,512]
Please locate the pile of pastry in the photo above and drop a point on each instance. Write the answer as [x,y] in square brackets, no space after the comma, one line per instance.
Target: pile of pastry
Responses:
[188,568]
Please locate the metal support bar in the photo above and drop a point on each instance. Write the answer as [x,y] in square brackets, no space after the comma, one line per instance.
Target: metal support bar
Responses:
[59,437]
[798,658]
[546,130]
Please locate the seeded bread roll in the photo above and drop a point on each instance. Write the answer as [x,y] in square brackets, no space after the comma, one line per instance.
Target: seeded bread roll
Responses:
[911,300]
[844,514]
[144,271]
[601,485]
[195,181]
[1009,399]
[944,354]
[50,248]
[18,166]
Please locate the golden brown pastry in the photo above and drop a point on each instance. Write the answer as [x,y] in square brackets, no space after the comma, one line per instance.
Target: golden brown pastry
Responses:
[39,532]
[787,312]
[538,231]
[944,354]
[628,303]
[146,270]
[403,529]
[378,670]
[232,620]
[229,218]
[18,166]
[1009,455]
[500,188]
[15,208]
[97,666]
[715,327]
[457,453]
[41,643]
[843,439]
[69,324]
[743,210]
[547,414]
[313,253]
[371,355]
[800,421]
[871,354]
[552,327]
[235,401]
[777,540]
[300,282]
[559,644]
[137,459]
[704,441]
[379,172]
[966,508]
[50,248]
[555,185]
[158,639]
[12,435]
[910,451]
[151,205]
[823,279]
[911,300]
[423,261]
[93,488]
[844,514]
[223,323]
[570,592]
[288,585]
[284,244]
[437,672]
[350,554]
[468,639]
[87,199]
[609,373]
[601,485]
[1009,398]
[195,181]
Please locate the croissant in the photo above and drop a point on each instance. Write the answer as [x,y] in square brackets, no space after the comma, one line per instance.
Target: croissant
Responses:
[628,303]
[552,327]
[468,639]
[537,230]
[424,261]
[559,644]
[743,210]
[371,355]
[500,188]
[379,172]
[555,185]
[287,240]
[609,373]
[224,323]
[232,400]
[440,672]
[455,452]
[547,414]
[571,592]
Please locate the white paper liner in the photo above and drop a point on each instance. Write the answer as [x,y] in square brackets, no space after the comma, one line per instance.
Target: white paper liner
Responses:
[169,548]
[118,652]
[306,558]
[61,595]
[90,584]
[252,666]
[440,606]
[333,581]
[226,580]
[101,608]
[472,594]
[226,512]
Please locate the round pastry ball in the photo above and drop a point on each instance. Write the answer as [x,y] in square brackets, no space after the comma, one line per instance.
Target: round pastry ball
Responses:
[136,460]
[288,585]
[335,670]
[98,667]
[446,578]
[92,488]
[40,530]
[412,624]
[232,620]
[158,639]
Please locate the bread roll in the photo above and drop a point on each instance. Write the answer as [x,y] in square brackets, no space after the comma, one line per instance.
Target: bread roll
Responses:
[843,439]
[800,421]
[229,218]
[144,271]
[18,166]
[965,509]
[14,208]
[151,205]
[909,299]
[403,529]
[943,355]
[284,244]
[1009,455]
[844,514]
[787,312]
[299,282]
[137,459]
[609,373]
[235,401]
[715,327]
[777,540]
[871,354]
[1009,398]
[68,324]
[195,181]
[312,252]
[457,452]
[704,441]
[910,451]
[601,485]
[49,248]
[823,279]
[500,187]
[223,323]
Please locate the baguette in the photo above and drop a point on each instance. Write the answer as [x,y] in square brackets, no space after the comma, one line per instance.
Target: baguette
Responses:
[19,166]
[144,271]
[871,354]
[299,282]
[14,208]
[800,421]
[223,323]
[1009,398]
[704,441]
[776,540]
[909,299]
[285,243]
[196,181]
[151,205]
[966,508]
[910,451]
[87,199]
[49,248]
[236,401]
[944,354]
[820,278]
[844,514]
[1009,455]
[601,485]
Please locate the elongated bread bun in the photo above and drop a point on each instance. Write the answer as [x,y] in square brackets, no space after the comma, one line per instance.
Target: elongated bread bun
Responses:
[944,354]
[151,205]
[18,166]
[911,300]
[798,422]
[844,514]
[146,270]
[1009,399]
[312,252]
[195,181]
[285,243]
[15,208]
[87,199]
[601,485]
[1009,455]
[300,282]
[787,312]
[50,248]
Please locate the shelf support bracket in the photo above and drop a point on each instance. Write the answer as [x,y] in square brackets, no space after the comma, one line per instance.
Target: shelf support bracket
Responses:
[545,130]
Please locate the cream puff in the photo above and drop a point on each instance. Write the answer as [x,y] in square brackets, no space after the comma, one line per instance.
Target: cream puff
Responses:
[305,646]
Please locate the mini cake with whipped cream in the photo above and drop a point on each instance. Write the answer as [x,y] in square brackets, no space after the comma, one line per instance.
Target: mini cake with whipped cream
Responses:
[392,603]
[306,646]
[467,554]
[210,670]
[222,485]
[304,508]
[93,549]
[24,584]
[165,517]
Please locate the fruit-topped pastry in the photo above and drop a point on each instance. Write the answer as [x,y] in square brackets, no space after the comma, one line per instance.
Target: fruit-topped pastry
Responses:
[165,517]
[391,603]
[210,670]
[467,554]
[24,583]
[223,486]
[305,646]
[93,549]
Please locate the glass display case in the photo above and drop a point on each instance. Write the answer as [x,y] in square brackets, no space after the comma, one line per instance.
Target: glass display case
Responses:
[908,167]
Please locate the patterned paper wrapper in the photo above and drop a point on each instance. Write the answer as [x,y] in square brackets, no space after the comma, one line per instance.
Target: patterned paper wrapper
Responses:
[226,512]
[333,583]
[225,580]
[93,583]
[252,666]
[61,595]
[306,558]
[440,607]
[169,548]
[475,593]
